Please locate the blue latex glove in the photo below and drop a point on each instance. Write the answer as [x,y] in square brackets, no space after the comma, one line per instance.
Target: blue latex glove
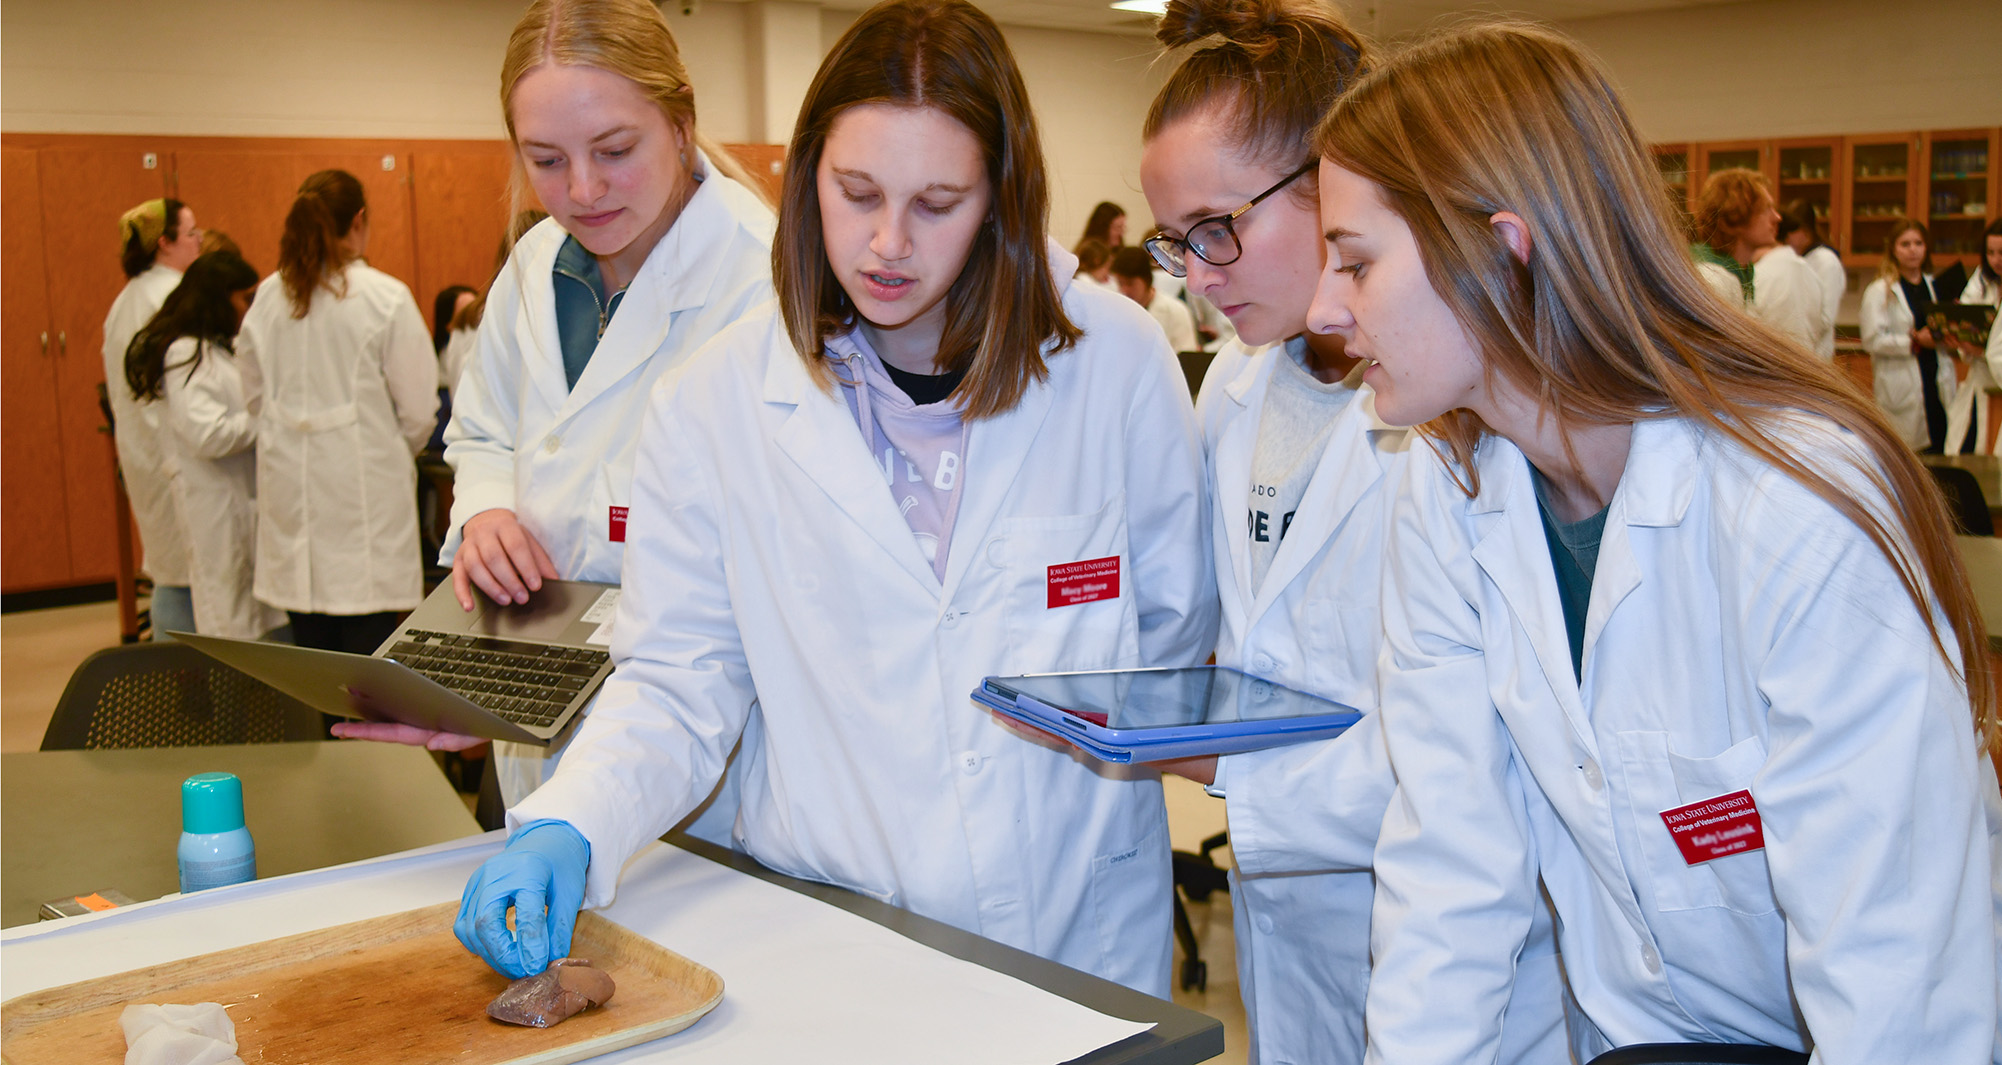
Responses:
[541,869]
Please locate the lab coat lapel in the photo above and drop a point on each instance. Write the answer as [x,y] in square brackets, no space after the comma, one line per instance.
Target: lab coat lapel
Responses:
[1514,555]
[821,438]
[542,355]
[997,449]
[1230,468]
[1331,494]
[1655,491]
[674,278]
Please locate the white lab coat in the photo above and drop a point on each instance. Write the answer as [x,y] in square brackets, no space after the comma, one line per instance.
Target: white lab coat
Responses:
[345,397]
[1827,268]
[142,457]
[1887,327]
[1741,635]
[459,346]
[1788,295]
[1175,320]
[561,458]
[1304,818]
[212,439]
[1970,398]
[772,588]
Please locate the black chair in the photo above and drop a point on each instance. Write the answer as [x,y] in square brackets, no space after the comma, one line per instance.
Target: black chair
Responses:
[1964,500]
[1196,877]
[1699,1054]
[171,695]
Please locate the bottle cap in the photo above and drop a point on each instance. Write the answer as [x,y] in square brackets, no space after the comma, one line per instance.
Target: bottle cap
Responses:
[211,802]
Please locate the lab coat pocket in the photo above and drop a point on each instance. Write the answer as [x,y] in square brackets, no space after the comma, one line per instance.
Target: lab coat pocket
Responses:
[1126,893]
[1659,779]
[1339,655]
[1069,596]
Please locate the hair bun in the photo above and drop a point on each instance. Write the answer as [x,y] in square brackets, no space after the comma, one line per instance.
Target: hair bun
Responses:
[1250,24]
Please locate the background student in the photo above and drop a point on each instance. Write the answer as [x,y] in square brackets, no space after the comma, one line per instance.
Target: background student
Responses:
[1800,229]
[1913,383]
[1107,225]
[1676,628]
[184,360]
[1968,418]
[335,359]
[158,239]
[1739,254]
[846,511]
[1133,275]
[654,243]
[1301,474]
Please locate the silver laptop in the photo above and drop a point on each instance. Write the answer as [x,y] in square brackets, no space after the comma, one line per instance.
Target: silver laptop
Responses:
[520,673]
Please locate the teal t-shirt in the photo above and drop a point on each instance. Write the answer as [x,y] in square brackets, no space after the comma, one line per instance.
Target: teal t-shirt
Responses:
[1574,554]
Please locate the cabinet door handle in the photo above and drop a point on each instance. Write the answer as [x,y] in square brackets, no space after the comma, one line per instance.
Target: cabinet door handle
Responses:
[63,343]
[45,342]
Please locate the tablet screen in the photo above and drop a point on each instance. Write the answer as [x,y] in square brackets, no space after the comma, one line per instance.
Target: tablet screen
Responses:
[1168,698]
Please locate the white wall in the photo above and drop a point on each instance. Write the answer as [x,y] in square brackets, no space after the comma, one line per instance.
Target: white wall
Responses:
[1781,68]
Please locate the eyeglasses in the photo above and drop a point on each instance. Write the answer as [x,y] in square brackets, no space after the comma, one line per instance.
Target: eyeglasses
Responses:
[1214,240]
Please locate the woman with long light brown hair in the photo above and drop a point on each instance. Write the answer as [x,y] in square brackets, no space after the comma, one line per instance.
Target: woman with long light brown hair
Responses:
[1914,384]
[1676,628]
[858,502]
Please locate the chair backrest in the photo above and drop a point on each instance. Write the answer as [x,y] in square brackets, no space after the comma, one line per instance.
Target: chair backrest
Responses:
[1964,500]
[168,694]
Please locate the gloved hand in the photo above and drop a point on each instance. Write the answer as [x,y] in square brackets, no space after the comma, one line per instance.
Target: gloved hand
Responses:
[540,875]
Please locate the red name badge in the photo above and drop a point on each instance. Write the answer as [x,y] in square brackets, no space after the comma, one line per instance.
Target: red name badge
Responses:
[1714,828]
[618,533]
[1084,582]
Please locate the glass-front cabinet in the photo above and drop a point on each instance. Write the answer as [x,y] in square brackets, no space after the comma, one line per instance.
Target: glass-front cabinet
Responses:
[1808,171]
[1883,187]
[1673,162]
[1960,192]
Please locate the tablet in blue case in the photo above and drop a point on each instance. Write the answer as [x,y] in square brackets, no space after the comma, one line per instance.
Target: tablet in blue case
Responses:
[1149,715]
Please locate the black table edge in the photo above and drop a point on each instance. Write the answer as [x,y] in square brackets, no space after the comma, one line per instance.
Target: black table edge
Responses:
[1180,1036]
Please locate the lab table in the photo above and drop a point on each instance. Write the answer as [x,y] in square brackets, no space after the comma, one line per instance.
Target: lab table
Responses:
[76,822]
[811,972]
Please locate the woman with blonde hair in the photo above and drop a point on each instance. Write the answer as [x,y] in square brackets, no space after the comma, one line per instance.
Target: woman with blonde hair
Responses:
[1676,629]
[1301,476]
[336,360]
[656,240]
[859,501]
[1914,384]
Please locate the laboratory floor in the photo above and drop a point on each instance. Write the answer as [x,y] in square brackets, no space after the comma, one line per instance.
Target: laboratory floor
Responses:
[39,649]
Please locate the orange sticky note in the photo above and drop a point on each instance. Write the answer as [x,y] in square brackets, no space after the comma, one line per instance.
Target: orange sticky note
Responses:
[95,902]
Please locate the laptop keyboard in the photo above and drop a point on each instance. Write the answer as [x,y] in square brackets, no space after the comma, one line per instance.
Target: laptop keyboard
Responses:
[526,683]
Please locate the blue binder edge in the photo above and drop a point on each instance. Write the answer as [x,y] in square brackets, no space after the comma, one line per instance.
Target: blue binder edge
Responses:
[1126,746]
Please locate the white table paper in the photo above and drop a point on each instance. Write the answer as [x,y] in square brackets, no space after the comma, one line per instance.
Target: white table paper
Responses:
[803,981]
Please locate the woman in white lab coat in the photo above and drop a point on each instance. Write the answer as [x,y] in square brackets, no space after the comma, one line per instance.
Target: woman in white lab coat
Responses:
[655,242]
[1301,474]
[338,366]
[857,502]
[1676,629]
[1800,230]
[157,240]
[1914,383]
[1970,397]
[184,360]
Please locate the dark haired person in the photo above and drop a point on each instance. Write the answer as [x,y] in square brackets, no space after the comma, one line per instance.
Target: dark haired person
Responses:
[1133,276]
[1800,229]
[1971,405]
[335,355]
[184,361]
[1106,225]
[855,503]
[157,240]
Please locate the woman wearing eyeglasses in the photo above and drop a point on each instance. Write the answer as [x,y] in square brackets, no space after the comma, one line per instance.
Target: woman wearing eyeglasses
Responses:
[1301,472]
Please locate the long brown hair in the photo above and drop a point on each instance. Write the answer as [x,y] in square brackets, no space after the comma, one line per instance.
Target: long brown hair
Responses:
[629,38]
[1271,68]
[1003,314]
[1608,321]
[310,254]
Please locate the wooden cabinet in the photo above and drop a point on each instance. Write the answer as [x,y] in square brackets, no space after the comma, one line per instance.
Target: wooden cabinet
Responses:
[1860,184]
[436,210]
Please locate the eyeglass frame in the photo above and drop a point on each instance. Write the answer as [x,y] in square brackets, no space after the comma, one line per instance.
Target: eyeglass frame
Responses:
[1164,241]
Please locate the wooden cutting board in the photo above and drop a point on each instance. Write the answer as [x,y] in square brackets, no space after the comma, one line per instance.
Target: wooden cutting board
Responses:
[395,989]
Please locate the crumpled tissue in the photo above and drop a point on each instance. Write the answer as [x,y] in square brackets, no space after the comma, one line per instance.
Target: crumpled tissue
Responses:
[201,1034]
